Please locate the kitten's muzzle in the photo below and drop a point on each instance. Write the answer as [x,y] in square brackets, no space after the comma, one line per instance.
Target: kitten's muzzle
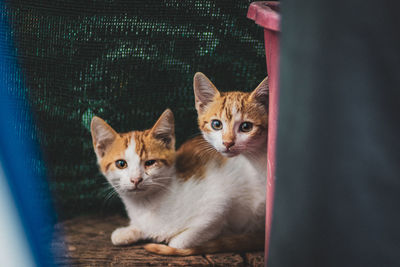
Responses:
[136,181]
[228,144]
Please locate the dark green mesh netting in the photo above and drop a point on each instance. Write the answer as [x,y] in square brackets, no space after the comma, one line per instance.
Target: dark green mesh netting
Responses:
[125,61]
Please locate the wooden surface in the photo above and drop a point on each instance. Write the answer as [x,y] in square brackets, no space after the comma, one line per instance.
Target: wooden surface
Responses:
[85,241]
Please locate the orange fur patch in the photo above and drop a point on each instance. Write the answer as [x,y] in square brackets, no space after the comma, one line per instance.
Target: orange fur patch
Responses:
[193,157]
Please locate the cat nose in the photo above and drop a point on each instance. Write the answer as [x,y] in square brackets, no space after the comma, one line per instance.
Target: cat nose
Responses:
[136,181]
[228,144]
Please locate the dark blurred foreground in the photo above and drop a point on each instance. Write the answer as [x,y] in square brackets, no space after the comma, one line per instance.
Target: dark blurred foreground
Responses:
[338,174]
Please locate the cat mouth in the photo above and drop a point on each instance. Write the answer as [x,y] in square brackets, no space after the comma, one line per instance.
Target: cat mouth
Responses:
[134,190]
[229,153]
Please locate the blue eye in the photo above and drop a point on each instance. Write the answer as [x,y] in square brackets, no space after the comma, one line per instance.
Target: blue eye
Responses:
[216,124]
[121,164]
[246,126]
[149,162]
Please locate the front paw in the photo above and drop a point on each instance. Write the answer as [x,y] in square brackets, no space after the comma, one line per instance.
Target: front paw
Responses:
[179,243]
[125,236]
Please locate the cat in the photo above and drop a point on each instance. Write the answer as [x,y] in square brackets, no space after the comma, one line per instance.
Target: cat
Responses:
[234,123]
[195,200]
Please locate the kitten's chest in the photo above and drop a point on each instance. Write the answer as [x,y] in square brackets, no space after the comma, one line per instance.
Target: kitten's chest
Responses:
[143,217]
[153,221]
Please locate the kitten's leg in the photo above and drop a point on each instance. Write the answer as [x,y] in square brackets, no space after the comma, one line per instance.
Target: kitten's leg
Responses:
[196,235]
[125,236]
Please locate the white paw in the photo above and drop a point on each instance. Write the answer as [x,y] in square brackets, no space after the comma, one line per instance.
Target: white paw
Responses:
[177,243]
[125,236]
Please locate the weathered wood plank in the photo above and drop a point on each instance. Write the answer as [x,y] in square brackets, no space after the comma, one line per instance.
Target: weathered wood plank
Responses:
[85,241]
[225,259]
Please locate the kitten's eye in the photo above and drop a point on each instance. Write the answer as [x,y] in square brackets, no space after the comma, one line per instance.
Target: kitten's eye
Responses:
[246,126]
[149,162]
[121,164]
[216,124]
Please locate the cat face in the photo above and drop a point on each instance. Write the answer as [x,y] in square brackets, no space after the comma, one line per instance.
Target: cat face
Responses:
[139,162]
[232,122]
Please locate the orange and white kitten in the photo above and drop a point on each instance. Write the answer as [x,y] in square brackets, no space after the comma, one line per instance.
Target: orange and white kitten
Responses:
[195,200]
[234,123]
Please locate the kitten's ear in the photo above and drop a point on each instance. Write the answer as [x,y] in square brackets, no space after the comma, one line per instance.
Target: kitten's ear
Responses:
[204,91]
[261,93]
[164,128]
[102,135]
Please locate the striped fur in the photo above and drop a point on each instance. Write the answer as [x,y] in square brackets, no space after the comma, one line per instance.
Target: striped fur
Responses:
[194,156]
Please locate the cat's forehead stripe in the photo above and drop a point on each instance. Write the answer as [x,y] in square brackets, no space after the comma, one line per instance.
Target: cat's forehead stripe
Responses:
[232,103]
[143,150]
[140,144]
[223,102]
[126,138]
[228,111]
[140,147]
[127,141]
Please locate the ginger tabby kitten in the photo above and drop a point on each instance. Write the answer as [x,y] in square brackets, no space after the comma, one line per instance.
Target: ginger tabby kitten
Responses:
[234,123]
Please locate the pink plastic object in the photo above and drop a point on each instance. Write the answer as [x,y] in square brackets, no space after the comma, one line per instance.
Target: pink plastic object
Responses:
[266,14]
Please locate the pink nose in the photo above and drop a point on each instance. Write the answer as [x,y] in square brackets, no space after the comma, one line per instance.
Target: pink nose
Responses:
[228,144]
[136,181]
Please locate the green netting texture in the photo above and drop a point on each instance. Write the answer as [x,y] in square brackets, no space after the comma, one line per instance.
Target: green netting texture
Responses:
[125,61]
